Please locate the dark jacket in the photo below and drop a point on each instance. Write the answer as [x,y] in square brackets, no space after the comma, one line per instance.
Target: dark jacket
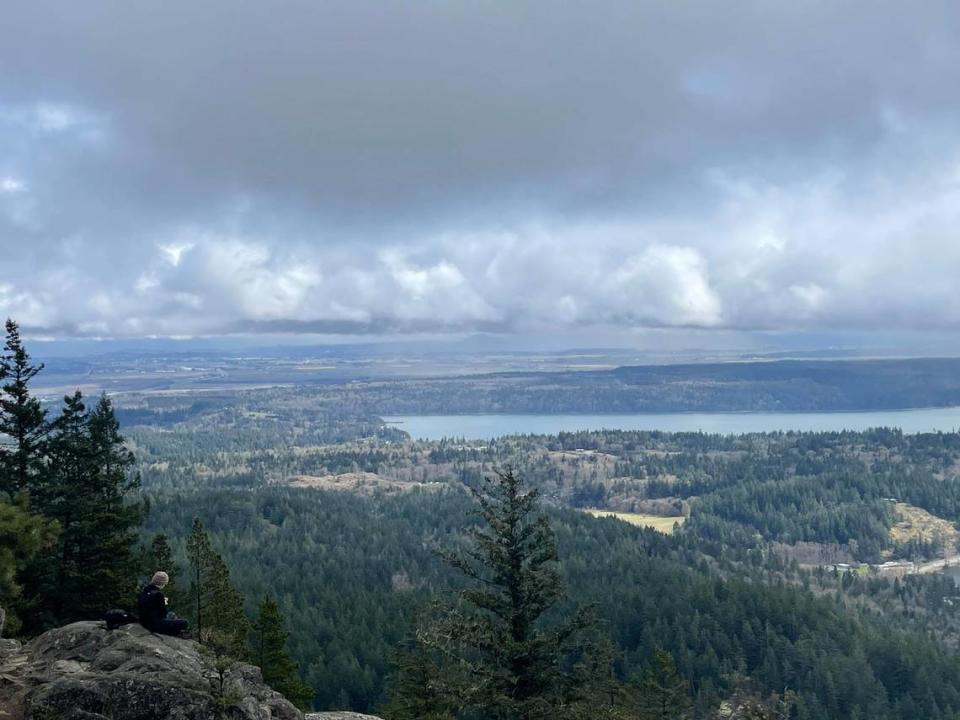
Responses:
[152,606]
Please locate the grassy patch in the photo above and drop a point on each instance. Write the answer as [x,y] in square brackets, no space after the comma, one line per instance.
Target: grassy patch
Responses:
[660,523]
[914,523]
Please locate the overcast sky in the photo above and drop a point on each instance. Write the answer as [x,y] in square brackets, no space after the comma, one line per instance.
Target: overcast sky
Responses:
[520,167]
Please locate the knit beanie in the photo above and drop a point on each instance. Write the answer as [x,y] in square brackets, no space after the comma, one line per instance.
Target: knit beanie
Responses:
[160,578]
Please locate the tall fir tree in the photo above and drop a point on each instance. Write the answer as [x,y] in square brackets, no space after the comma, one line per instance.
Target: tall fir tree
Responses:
[498,658]
[663,694]
[215,604]
[23,421]
[159,556]
[108,557]
[268,650]
[599,693]
[414,689]
[225,616]
[61,496]
[200,556]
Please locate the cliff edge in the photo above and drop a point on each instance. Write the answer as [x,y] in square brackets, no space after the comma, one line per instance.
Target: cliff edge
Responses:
[83,671]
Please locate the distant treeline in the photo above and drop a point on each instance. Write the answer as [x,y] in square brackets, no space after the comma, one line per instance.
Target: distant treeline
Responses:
[786,385]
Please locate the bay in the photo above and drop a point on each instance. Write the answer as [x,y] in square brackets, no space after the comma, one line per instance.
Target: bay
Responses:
[484,427]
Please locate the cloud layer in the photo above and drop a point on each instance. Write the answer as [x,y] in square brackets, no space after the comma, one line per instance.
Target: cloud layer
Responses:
[360,166]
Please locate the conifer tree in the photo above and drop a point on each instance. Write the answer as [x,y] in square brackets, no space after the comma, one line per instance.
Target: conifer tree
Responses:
[414,689]
[199,553]
[22,536]
[159,556]
[225,615]
[216,605]
[599,693]
[108,556]
[269,651]
[62,496]
[498,658]
[23,422]
[664,695]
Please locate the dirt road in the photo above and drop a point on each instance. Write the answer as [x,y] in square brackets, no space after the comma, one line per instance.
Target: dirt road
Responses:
[938,565]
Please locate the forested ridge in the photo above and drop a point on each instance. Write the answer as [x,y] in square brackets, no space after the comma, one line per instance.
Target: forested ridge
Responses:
[350,573]
[765,386]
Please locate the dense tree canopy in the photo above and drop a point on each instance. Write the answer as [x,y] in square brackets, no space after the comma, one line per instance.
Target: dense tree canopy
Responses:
[350,573]
[268,650]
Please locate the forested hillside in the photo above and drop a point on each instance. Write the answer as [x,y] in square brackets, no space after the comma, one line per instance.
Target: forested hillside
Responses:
[838,489]
[350,573]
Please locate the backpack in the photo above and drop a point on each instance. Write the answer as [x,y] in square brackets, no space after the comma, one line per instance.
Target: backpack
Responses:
[115,618]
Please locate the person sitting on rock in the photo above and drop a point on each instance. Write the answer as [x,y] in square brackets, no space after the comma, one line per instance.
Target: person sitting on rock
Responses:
[152,605]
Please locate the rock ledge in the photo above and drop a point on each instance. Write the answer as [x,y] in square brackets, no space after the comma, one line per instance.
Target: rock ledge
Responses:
[83,671]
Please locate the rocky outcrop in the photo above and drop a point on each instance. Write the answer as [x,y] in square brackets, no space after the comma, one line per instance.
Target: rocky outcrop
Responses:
[85,672]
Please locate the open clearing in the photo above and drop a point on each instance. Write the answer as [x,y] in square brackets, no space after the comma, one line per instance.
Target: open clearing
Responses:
[660,523]
[362,483]
[917,524]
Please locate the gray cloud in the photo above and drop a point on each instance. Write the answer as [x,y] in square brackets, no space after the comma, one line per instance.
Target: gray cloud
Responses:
[380,167]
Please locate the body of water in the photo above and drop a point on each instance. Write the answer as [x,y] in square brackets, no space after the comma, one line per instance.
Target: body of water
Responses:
[484,427]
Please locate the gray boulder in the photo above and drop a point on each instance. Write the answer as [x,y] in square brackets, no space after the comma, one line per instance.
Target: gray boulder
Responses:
[85,672]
